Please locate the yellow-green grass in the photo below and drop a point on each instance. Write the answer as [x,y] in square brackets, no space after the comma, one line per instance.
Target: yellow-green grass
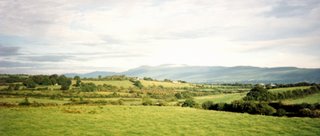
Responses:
[122,83]
[165,84]
[31,99]
[150,121]
[288,89]
[315,98]
[220,98]
[16,100]
[3,87]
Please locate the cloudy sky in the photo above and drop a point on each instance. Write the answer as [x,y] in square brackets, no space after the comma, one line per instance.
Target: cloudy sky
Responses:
[63,36]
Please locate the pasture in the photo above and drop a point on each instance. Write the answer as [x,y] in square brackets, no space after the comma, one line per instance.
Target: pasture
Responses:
[288,89]
[146,120]
[165,84]
[220,98]
[117,83]
[315,98]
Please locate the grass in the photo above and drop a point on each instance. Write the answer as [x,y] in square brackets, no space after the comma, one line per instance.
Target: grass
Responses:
[315,98]
[139,120]
[223,98]
[39,100]
[3,87]
[123,83]
[288,89]
[165,84]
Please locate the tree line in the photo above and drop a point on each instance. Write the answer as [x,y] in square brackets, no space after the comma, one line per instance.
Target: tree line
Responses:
[33,81]
[260,93]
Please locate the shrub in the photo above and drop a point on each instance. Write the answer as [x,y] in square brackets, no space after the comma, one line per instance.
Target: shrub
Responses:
[29,83]
[137,83]
[25,102]
[265,109]
[189,103]
[208,105]
[305,112]
[281,112]
[88,87]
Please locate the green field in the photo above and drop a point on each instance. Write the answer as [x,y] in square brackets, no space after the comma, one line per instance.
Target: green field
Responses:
[122,83]
[127,83]
[150,120]
[3,87]
[315,98]
[164,84]
[288,89]
[39,100]
[220,98]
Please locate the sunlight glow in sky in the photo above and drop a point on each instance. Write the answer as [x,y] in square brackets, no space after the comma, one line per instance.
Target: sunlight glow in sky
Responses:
[63,36]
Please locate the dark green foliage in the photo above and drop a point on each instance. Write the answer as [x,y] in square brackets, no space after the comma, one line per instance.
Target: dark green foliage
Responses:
[25,102]
[29,83]
[241,106]
[7,78]
[88,87]
[78,80]
[33,81]
[264,108]
[181,81]
[64,82]
[281,112]
[189,103]
[207,105]
[178,95]
[137,83]
[167,80]
[148,79]
[259,93]
[306,112]
[54,79]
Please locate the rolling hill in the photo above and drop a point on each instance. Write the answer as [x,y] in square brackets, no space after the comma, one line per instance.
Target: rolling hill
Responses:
[220,74]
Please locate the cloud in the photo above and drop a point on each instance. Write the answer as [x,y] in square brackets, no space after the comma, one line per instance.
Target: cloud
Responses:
[8,51]
[292,8]
[45,58]
[86,34]
[11,64]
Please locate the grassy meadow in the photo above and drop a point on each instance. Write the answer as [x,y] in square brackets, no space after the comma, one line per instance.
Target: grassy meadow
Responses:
[288,89]
[119,110]
[220,98]
[120,83]
[165,84]
[315,98]
[146,120]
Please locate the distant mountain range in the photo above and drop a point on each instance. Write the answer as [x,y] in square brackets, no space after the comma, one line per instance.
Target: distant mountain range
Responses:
[219,74]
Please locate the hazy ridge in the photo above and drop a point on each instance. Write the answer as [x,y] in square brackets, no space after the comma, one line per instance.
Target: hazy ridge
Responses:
[219,74]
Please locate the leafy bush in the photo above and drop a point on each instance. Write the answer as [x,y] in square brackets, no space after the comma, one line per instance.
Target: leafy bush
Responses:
[208,105]
[281,112]
[25,102]
[29,83]
[189,103]
[265,109]
[88,87]
[137,83]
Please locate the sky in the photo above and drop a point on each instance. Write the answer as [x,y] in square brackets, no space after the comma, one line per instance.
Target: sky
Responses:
[67,36]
